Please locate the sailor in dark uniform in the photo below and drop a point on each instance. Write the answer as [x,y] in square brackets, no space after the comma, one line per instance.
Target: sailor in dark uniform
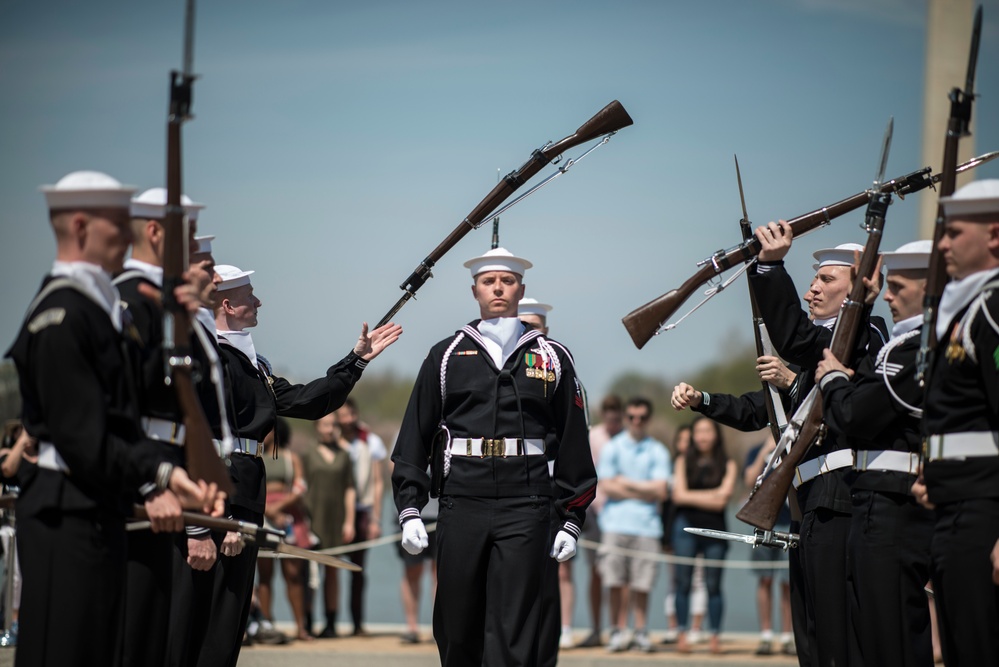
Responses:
[79,403]
[150,592]
[961,424]
[255,398]
[498,413]
[823,494]
[878,414]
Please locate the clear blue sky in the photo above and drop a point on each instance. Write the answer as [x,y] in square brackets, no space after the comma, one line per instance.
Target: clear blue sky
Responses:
[336,144]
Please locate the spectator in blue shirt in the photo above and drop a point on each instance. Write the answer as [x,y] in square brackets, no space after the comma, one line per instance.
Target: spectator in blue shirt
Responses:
[634,472]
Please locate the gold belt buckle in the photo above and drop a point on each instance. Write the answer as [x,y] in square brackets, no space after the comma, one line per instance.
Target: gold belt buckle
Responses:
[492,446]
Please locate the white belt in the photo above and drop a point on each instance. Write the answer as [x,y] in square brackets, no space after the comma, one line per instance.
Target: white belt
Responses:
[163,430]
[50,459]
[497,447]
[809,470]
[961,445]
[246,446]
[886,459]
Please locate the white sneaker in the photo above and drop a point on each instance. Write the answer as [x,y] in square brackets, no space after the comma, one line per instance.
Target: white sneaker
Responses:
[619,641]
[565,640]
[694,637]
[641,642]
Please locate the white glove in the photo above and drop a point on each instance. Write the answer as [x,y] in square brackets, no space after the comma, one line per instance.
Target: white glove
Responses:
[564,547]
[414,536]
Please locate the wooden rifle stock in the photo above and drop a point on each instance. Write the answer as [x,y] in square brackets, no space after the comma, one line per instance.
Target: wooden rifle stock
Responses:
[958,125]
[608,120]
[766,499]
[203,462]
[644,322]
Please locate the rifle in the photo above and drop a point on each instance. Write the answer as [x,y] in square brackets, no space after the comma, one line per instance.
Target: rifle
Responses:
[203,462]
[806,427]
[604,124]
[265,538]
[775,409]
[957,127]
[646,321]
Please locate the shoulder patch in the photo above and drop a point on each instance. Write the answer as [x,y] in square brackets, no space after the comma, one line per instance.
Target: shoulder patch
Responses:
[46,318]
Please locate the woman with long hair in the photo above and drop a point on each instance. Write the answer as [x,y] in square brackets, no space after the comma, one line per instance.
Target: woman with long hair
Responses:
[704,479]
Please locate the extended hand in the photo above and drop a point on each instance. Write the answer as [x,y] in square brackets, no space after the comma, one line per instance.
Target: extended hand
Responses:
[920,493]
[995,564]
[233,544]
[775,241]
[829,364]
[873,285]
[684,396]
[199,495]
[371,345]
[564,547]
[201,553]
[773,370]
[165,512]
[414,536]
[187,293]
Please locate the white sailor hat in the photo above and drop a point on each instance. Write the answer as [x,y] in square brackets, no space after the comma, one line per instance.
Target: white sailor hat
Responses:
[913,256]
[498,259]
[974,199]
[204,245]
[87,190]
[151,205]
[841,255]
[531,306]
[232,277]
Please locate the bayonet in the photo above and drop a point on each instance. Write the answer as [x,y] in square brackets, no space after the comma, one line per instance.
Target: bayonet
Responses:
[760,538]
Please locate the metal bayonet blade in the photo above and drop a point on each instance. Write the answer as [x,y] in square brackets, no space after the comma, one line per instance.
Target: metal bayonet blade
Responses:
[742,196]
[189,39]
[976,35]
[722,535]
[885,149]
[308,554]
[977,161]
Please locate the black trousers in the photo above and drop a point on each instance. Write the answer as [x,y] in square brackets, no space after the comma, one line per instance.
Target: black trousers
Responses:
[491,558]
[888,566]
[967,600]
[802,621]
[73,571]
[232,583]
[822,550]
[551,611]
[358,580]
[190,606]
[148,584]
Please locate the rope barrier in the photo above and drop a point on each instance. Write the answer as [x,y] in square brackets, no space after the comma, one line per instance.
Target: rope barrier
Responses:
[584,543]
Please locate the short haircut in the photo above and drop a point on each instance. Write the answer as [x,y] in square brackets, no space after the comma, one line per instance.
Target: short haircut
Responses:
[639,402]
[611,403]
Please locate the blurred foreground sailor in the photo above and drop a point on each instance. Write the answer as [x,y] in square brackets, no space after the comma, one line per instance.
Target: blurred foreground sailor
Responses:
[157,591]
[961,425]
[498,412]
[878,414]
[76,378]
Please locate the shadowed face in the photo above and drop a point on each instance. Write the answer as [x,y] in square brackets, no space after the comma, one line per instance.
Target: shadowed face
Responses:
[969,247]
[104,236]
[240,307]
[904,292]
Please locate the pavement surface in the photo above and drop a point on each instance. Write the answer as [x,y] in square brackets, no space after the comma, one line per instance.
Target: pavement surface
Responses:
[384,648]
